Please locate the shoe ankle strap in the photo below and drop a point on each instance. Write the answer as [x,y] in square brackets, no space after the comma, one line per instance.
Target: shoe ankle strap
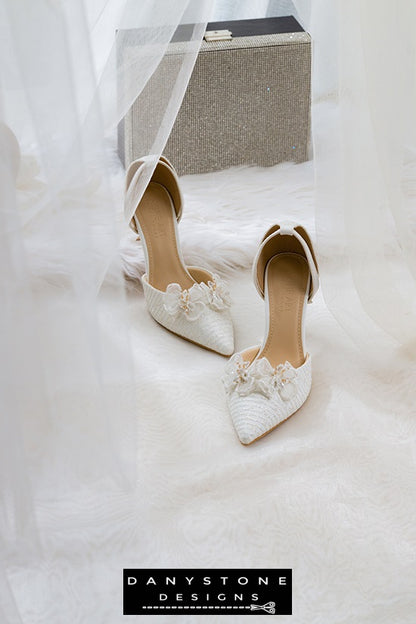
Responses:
[164,173]
[275,241]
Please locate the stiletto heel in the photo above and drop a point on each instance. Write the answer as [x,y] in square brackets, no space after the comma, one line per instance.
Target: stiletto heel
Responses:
[188,301]
[265,385]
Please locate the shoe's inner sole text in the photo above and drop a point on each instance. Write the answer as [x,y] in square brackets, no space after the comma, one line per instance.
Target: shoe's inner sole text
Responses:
[287,276]
[156,216]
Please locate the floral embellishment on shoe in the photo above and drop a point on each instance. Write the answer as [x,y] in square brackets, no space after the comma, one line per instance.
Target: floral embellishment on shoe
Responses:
[280,379]
[260,377]
[237,376]
[217,292]
[190,302]
[193,301]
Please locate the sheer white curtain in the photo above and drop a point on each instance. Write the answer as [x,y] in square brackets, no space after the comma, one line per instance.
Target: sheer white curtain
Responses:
[68,413]
[365,162]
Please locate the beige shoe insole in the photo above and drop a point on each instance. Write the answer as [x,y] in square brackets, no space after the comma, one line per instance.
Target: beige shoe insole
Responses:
[287,277]
[156,217]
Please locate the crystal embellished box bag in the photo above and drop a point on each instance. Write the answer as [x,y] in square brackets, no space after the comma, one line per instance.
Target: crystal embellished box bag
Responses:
[247,102]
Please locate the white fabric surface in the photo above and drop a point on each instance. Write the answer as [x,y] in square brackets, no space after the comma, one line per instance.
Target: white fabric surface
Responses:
[330,493]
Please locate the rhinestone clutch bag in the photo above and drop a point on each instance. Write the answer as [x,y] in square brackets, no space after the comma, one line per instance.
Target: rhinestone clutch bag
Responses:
[247,102]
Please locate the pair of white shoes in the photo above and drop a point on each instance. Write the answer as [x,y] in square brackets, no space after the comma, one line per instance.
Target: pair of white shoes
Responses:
[265,384]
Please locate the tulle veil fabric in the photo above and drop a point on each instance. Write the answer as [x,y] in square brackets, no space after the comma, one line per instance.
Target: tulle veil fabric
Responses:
[64,88]
[363,127]
[67,388]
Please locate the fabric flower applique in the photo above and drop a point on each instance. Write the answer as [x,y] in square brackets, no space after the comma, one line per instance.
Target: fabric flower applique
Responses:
[190,302]
[237,377]
[217,292]
[260,377]
[269,379]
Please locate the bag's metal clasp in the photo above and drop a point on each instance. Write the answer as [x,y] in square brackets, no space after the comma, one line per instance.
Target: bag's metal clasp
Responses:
[218,35]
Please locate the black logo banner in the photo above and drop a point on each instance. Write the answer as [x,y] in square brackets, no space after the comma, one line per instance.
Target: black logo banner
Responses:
[201,591]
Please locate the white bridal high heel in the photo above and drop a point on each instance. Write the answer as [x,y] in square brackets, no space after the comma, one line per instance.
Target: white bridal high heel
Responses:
[265,385]
[189,301]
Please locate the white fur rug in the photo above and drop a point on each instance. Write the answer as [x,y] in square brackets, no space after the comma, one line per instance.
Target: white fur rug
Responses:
[330,493]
